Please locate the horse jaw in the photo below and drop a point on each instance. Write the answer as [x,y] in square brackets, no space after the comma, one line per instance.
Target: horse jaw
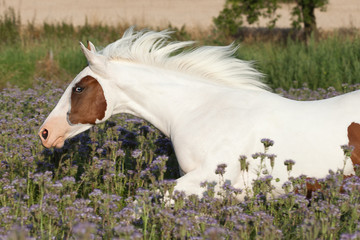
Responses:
[58,129]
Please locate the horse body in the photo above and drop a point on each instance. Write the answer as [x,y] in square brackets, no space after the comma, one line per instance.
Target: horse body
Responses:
[208,122]
[308,132]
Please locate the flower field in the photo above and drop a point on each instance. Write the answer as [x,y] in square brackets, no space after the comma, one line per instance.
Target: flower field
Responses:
[109,183]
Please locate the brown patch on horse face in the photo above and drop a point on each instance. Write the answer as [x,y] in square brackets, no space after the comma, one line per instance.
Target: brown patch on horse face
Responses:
[354,140]
[88,102]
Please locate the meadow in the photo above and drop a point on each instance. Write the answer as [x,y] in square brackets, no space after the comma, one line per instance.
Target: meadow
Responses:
[52,52]
[109,182]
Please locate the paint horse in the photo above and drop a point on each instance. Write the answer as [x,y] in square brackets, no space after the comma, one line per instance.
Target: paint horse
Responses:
[213,106]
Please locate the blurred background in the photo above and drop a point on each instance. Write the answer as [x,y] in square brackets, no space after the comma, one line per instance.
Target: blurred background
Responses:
[295,43]
[161,13]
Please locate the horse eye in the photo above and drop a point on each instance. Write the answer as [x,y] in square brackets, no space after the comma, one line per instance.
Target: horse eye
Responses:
[78,89]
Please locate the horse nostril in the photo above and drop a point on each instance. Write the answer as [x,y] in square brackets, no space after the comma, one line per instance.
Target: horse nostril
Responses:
[44,134]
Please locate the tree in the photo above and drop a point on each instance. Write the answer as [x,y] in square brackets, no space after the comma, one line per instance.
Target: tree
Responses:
[231,17]
[304,11]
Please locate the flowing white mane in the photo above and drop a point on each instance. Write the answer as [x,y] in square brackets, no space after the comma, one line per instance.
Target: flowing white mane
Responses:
[214,63]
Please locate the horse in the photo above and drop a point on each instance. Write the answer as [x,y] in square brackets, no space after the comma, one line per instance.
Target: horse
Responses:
[213,106]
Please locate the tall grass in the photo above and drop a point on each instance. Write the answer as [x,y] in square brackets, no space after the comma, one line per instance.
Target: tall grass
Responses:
[331,61]
[50,51]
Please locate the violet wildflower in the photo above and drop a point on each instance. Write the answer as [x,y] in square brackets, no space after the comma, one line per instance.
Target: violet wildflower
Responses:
[5,211]
[221,169]
[167,185]
[289,163]
[135,120]
[17,232]
[210,188]
[43,177]
[272,157]
[96,193]
[108,177]
[351,185]
[286,186]
[126,231]
[230,189]
[255,155]
[84,230]
[357,169]
[347,149]
[244,165]
[126,214]
[350,236]
[267,143]
[50,197]
[260,155]
[120,153]
[215,233]
[9,189]
[121,175]
[159,164]
[57,185]
[68,180]
[136,153]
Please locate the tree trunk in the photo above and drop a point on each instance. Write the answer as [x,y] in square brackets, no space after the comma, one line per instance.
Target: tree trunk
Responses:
[308,15]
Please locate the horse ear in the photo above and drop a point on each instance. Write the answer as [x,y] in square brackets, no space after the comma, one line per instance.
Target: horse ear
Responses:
[91,47]
[97,62]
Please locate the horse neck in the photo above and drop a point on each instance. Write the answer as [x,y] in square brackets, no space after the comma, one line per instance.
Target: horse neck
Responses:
[159,96]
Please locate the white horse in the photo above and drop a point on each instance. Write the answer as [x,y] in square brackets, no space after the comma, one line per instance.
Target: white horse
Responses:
[211,105]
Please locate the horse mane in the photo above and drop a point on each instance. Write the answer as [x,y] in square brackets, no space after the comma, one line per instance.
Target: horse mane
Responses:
[214,63]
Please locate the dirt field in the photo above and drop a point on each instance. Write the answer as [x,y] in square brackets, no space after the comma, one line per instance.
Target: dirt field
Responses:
[192,13]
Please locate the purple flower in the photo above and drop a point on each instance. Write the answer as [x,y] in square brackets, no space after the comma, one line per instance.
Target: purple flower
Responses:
[244,165]
[221,169]
[215,233]
[120,153]
[84,230]
[127,231]
[50,197]
[347,149]
[58,185]
[68,180]
[289,163]
[5,210]
[350,236]
[96,193]
[43,177]
[267,142]
[136,153]
[272,157]
[259,154]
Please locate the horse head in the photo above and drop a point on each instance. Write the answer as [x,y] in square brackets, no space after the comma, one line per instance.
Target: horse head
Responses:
[83,104]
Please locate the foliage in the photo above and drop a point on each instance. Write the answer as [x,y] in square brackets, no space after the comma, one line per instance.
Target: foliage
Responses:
[304,12]
[9,26]
[317,64]
[231,17]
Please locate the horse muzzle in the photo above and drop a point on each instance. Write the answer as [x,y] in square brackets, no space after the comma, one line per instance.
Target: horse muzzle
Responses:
[52,133]
[44,136]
